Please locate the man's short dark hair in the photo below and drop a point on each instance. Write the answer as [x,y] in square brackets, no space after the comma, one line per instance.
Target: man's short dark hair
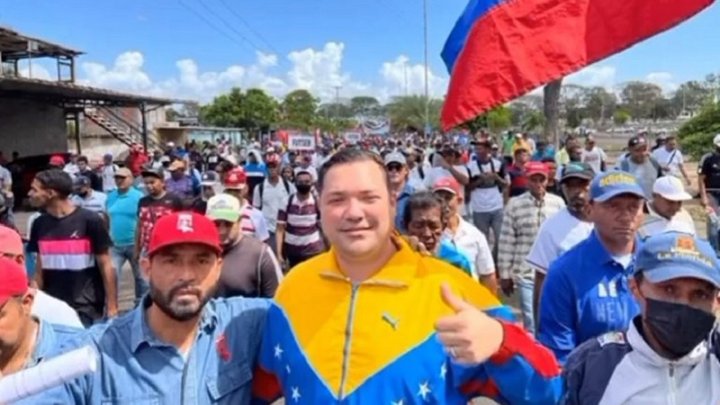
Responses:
[56,180]
[347,156]
[82,158]
[425,200]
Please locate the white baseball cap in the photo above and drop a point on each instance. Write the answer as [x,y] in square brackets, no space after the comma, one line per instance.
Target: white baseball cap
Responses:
[716,140]
[223,207]
[670,188]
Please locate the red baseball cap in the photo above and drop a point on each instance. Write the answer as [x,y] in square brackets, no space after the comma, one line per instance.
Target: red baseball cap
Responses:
[13,279]
[57,160]
[184,227]
[532,168]
[10,242]
[235,178]
[448,184]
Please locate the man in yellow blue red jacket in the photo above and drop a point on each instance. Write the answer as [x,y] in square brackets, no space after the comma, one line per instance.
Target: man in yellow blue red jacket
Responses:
[374,322]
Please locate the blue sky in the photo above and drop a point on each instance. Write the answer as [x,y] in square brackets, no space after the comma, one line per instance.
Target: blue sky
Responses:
[136,45]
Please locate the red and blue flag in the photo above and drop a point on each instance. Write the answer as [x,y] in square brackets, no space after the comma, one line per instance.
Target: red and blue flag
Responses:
[501,49]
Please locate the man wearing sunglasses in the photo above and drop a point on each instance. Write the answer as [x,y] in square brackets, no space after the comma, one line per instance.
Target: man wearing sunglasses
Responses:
[396,165]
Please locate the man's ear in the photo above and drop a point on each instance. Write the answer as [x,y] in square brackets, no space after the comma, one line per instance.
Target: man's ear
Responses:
[145,267]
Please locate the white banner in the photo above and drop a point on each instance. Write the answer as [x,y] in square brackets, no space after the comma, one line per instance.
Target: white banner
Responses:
[353,137]
[301,142]
[376,126]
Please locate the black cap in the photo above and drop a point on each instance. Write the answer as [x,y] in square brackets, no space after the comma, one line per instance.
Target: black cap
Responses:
[81,181]
[153,172]
[577,170]
[636,140]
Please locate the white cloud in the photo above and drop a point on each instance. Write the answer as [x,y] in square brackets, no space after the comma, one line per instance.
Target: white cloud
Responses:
[665,80]
[318,70]
[593,76]
[37,71]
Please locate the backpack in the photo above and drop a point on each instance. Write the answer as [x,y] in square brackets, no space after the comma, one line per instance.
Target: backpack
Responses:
[625,165]
[262,190]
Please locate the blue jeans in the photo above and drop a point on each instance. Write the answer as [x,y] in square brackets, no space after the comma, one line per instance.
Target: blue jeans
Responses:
[119,255]
[485,221]
[525,288]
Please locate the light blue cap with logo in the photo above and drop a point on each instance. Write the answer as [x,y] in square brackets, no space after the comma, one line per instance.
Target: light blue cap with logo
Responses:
[614,183]
[672,255]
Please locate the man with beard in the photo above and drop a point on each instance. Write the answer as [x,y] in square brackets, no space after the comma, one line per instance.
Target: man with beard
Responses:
[566,228]
[25,340]
[668,349]
[249,268]
[179,345]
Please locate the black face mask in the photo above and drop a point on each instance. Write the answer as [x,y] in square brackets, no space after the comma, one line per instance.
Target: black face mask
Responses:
[678,328]
[303,188]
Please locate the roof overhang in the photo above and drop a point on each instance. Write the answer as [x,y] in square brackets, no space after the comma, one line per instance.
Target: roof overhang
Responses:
[16,46]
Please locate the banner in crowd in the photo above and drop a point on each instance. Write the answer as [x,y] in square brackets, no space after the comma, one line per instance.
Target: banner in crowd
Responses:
[375,126]
[301,142]
[352,137]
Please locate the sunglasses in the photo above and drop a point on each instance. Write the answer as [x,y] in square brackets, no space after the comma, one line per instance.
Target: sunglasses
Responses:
[394,168]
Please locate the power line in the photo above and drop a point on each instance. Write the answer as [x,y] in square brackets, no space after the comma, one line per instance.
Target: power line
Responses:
[251,29]
[228,25]
[211,25]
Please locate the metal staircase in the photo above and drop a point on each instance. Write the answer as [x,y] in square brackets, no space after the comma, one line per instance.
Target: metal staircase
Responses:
[120,128]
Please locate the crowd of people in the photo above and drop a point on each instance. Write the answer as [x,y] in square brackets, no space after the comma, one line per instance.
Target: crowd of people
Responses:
[369,273]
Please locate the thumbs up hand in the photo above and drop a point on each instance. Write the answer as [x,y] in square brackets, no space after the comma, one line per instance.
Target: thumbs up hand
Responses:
[469,335]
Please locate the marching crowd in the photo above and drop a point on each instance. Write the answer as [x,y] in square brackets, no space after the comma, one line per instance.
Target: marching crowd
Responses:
[370,273]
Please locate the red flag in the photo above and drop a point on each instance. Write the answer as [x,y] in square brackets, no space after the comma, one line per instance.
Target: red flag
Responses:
[517,45]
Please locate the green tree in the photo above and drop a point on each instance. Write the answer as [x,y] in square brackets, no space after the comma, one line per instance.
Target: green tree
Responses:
[335,110]
[621,117]
[225,110]
[599,104]
[498,119]
[532,121]
[408,112]
[691,96]
[253,110]
[260,111]
[299,109]
[640,98]
[696,135]
[364,105]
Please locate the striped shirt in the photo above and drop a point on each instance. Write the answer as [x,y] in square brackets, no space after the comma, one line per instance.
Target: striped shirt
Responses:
[252,223]
[521,222]
[302,227]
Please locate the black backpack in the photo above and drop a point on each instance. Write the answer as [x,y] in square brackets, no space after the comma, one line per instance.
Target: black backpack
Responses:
[262,190]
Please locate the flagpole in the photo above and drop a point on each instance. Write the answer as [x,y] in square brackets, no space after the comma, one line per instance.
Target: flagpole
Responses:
[427,93]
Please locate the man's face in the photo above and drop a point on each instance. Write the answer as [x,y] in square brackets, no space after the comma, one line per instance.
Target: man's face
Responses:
[671,144]
[82,165]
[238,193]
[521,157]
[123,183]
[618,218]
[229,231]
[273,170]
[427,225]
[153,185]
[589,144]
[688,291]
[482,151]
[357,210]
[398,173]
[39,196]
[14,323]
[639,153]
[208,192]
[575,154]
[537,183]
[107,160]
[177,174]
[252,158]
[666,208]
[452,200]
[182,279]
[577,193]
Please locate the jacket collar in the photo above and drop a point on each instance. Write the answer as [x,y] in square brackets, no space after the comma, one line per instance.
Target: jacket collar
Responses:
[398,272]
[652,358]
[596,250]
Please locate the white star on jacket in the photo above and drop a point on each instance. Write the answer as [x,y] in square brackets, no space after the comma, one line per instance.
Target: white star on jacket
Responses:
[295,394]
[443,371]
[278,351]
[400,402]
[424,390]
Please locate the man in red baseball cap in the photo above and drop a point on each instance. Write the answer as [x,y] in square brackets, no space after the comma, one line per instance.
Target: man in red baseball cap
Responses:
[178,343]
[252,221]
[26,340]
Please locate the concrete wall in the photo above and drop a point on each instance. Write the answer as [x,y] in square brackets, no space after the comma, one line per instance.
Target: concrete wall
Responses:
[31,128]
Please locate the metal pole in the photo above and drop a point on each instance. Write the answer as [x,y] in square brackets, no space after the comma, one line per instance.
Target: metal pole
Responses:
[406,77]
[143,107]
[427,92]
[76,124]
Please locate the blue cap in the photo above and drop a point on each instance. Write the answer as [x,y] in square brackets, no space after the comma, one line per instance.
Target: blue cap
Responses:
[671,255]
[613,183]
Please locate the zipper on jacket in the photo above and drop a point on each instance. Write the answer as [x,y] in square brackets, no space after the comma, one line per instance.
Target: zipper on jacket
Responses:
[673,387]
[348,340]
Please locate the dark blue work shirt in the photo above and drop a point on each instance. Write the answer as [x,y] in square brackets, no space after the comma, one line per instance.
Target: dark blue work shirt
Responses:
[137,368]
[585,295]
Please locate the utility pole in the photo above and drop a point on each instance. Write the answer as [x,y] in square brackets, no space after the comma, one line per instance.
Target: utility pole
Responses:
[427,92]
[337,101]
[406,77]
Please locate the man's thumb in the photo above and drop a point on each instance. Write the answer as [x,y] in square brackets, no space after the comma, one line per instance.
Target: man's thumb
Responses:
[452,300]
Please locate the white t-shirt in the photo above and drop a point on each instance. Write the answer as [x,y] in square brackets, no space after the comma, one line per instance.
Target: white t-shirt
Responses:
[414,179]
[470,241]
[108,177]
[274,198]
[557,235]
[594,158]
[485,199]
[95,202]
[51,309]
[437,173]
[655,224]
[671,159]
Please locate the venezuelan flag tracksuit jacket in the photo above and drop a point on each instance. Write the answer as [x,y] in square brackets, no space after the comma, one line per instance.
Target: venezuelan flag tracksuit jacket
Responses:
[329,340]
